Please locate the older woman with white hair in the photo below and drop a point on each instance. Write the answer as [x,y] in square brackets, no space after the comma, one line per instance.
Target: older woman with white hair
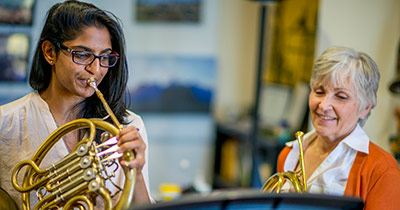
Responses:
[340,158]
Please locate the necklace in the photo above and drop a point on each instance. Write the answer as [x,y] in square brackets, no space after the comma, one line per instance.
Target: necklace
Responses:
[323,153]
[313,156]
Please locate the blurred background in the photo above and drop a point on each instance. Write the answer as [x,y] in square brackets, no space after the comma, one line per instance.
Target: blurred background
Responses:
[222,84]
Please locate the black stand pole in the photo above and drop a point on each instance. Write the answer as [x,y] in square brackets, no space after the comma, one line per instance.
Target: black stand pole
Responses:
[255,178]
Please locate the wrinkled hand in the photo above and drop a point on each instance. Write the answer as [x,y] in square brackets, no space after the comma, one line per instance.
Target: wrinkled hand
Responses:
[129,138]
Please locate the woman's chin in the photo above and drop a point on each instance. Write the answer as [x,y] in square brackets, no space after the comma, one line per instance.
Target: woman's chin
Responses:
[85,92]
[324,131]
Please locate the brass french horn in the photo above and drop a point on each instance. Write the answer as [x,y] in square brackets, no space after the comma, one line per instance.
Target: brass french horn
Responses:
[297,178]
[77,179]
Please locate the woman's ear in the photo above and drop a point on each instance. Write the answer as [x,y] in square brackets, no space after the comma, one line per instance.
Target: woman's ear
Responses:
[364,112]
[48,52]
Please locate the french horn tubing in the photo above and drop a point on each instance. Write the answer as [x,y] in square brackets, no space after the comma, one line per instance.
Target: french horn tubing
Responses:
[76,180]
[297,178]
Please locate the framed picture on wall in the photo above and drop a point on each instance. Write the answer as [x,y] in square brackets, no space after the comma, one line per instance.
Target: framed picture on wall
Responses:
[172,83]
[16,12]
[14,50]
[173,11]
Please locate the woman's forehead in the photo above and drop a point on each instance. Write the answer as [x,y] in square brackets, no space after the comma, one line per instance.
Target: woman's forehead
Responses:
[341,81]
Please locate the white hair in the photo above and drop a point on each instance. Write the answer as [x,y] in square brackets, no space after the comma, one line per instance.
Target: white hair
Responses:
[339,64]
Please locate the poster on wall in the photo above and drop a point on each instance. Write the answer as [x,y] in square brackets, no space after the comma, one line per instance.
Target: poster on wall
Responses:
[16,12]
[172,84]
[14,50]
[173,11]
[292,42]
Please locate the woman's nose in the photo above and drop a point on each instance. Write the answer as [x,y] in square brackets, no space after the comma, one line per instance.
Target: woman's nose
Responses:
[94,67]
[325,103]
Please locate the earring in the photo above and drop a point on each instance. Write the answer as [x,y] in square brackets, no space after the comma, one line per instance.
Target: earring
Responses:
[51,62]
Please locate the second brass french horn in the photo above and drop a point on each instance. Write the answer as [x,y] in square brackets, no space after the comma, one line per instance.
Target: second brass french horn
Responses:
[297,178]
[77,179]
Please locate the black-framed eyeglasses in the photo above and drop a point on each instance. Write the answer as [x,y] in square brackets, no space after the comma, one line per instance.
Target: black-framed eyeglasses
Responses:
[86,58]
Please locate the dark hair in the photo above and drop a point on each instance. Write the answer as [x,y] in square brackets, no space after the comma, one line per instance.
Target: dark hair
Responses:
[65,21]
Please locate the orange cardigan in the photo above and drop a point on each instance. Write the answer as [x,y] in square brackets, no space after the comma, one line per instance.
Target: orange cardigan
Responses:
[374,177]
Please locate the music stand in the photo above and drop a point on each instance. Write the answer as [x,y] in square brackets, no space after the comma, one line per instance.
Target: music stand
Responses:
[252,200]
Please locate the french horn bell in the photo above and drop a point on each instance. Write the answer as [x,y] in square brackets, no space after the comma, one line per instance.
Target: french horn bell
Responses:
[296,178]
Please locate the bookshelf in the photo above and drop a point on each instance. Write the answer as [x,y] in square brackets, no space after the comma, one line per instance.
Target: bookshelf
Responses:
[236,166]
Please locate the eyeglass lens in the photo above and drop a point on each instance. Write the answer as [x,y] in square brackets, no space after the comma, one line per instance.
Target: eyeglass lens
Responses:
[86,58]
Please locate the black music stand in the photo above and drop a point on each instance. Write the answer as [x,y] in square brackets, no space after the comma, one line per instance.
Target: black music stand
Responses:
[254,200]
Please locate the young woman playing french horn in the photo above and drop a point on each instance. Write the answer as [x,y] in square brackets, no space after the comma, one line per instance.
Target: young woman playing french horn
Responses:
[78,42]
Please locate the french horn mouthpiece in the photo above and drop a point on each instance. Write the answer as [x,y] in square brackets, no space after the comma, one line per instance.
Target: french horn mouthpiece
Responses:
[92,82]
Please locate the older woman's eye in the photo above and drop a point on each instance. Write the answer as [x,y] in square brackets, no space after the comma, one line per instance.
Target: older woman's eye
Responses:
[343,97]
[319,92]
